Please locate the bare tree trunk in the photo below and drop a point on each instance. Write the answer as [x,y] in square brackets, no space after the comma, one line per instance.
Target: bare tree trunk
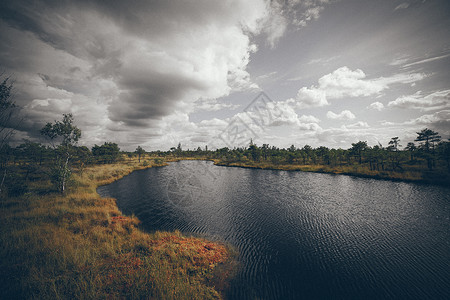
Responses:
[65,173]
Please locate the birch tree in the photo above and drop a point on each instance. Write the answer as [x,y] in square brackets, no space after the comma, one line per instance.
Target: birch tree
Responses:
[63,136]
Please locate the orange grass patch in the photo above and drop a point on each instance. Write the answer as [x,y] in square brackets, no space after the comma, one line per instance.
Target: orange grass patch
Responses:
[203,253]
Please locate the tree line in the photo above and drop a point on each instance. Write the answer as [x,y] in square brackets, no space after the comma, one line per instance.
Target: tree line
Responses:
[61,154]
[429,152]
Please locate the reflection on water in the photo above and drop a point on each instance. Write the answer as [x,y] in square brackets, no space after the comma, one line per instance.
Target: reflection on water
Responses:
[304,235]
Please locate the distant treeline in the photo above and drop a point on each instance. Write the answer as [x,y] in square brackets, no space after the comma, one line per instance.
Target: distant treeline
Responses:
[429,153]
[30,160]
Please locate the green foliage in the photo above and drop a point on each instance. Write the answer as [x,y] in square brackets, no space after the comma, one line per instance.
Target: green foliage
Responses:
[67,134]
[385,162]
[428,139]
[106,153]
[140,151]
[394,143]
[15,183]
[7,107]
[358,148]
[158,161]
[255,152]
[60,173]
[64,130]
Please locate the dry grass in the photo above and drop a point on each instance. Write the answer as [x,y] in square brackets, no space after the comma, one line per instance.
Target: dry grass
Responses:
[81,246]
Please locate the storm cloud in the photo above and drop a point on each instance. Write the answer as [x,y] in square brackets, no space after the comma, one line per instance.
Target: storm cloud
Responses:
[126,63]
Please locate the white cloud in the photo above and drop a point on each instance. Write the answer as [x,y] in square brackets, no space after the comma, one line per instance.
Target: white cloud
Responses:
[344,136]
[344,82]
[321,61]
[283,114]
[309,127]
[310,12]
[403,5]
[343,115]
[401,78]
[427,60]
[309,97]
[400,60]
[308,119]
[376,106]
[359,124]
[276,24]
[438,121]
[213,105]
[441,117]
[433,101]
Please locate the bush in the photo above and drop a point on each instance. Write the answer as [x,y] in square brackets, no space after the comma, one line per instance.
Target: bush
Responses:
[158,161]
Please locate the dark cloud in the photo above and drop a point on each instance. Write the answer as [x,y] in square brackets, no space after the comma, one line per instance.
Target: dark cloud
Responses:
[133,62]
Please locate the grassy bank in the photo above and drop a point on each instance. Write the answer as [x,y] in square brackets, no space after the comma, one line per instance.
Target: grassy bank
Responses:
[407,174]
[81,246]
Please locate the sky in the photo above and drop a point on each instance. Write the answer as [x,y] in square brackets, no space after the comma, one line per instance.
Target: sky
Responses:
[222,73]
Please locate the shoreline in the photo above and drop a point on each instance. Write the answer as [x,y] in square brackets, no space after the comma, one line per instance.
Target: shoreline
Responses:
[379,175]
[434,178]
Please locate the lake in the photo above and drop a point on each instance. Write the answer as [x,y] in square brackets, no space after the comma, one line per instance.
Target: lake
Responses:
[303,235]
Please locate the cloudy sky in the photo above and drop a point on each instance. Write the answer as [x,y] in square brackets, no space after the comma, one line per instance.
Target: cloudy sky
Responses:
[217,73]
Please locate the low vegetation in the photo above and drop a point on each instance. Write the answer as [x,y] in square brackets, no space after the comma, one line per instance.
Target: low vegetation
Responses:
[78,245]
[428,161]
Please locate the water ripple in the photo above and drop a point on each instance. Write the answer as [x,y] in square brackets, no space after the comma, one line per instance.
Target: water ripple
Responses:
[304,235]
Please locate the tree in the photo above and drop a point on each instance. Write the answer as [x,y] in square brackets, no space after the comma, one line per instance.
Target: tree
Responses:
[178,151]
[83,157]
[358,148]
[306,153]
[7,109]
[378,155]
[106,153]
[444,152]
[427,139]
[411,147]
[323,153]
[68,135]
[140,151]
[255,152]
[265,150]
[33,152]
[63,131]
[395,143]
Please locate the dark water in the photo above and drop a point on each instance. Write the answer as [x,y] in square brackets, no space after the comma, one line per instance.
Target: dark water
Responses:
[304,235]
